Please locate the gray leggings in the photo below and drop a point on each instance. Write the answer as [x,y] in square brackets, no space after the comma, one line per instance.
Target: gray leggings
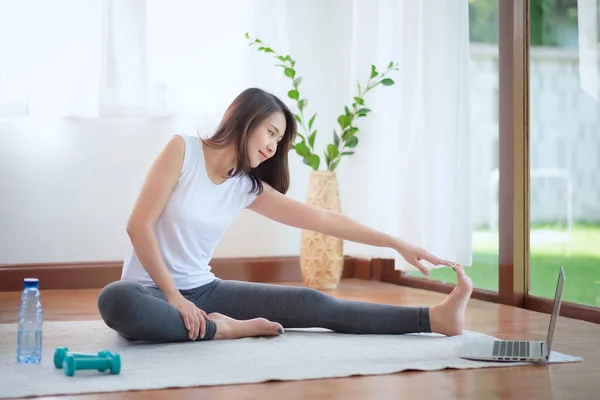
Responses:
[141,313]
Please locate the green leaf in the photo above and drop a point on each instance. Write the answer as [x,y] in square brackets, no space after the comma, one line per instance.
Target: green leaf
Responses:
[302,150]
[257,41]
[391,64]
[310,123]
[352,142]
[282,58]
[247,35]
[333,151]
[261,48]
[344,121]
[363,111]
[361,115]
[268,50]
[298,118]
[293,94]
[327,159]
[289,73]
[387,82]
[359,91]
[347,153]
[311,139]
[359,100]
[302,103]
[349,133]
[374,72]
[335,164]
[347,110]
[297,81]
[314,161]
[336,138]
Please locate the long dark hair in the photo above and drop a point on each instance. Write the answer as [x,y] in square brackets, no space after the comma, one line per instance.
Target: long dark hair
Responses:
[246,112]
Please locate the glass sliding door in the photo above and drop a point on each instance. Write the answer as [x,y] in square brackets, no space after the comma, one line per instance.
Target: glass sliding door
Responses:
[564,148]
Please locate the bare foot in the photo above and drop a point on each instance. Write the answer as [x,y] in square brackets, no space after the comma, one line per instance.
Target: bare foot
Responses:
[448,318]
[229,328]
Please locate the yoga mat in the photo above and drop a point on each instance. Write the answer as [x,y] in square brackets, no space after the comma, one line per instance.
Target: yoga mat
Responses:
[295,355]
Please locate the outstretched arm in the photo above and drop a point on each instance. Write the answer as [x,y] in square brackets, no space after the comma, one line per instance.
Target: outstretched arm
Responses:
[288,211]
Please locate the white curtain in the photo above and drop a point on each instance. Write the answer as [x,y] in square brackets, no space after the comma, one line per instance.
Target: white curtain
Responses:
[410,174]
[136,58]
[49,57]
[199,58]
[124,61]
[588,47]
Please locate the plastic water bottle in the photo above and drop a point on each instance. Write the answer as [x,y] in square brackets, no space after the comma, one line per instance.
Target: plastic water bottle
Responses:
[29,341]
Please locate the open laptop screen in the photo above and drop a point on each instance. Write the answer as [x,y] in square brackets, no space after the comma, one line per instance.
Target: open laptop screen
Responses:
[555,308]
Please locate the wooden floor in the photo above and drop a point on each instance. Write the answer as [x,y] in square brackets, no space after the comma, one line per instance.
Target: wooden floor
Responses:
[558,381]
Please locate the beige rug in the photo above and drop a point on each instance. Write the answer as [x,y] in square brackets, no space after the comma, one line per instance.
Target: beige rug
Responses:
[295,355]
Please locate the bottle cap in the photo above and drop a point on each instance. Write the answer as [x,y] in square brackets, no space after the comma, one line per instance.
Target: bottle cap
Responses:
[31,283]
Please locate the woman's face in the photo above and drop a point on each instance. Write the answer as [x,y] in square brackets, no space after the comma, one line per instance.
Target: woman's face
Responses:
[265,138]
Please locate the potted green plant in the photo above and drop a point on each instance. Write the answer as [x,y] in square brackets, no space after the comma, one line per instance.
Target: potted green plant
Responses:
[321,256]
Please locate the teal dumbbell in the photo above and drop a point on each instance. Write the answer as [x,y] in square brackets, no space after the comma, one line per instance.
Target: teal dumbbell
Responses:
[105,360]
[61,352]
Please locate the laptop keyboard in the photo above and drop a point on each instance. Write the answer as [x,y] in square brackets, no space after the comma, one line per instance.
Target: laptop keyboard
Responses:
[511,348]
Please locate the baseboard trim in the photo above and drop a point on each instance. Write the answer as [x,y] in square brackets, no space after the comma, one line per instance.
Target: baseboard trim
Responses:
[93,275]
[60,275]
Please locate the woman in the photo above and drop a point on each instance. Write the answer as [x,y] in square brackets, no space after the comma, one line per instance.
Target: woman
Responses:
[193,192]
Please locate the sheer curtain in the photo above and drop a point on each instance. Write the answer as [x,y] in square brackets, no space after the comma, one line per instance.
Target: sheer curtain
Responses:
[136,58]
[410,174]
[50,57]
[198,56]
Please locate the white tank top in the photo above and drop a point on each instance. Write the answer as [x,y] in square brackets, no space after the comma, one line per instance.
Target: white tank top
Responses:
[194,220]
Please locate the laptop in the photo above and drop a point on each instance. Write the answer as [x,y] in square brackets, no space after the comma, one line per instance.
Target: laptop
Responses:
[518,350]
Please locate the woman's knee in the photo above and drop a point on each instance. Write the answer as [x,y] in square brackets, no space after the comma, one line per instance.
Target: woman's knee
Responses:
[117,299]
[313,297]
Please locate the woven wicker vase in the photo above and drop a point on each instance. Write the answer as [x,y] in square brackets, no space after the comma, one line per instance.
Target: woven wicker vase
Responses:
[321,256]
